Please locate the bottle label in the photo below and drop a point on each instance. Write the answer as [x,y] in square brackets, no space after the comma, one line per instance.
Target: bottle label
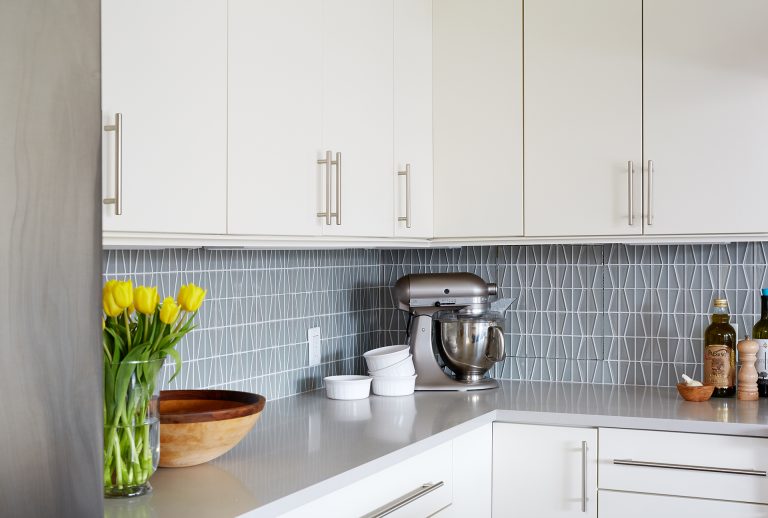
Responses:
[717,366]
[762,358]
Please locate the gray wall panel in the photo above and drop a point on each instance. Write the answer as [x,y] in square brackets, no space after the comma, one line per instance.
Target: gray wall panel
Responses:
[50,360]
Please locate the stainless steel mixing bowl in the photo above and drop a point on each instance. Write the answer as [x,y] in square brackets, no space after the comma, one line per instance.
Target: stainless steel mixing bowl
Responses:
[469,344]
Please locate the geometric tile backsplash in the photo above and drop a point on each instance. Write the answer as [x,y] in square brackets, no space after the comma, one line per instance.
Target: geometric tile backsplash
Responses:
[613,313]
[252,328]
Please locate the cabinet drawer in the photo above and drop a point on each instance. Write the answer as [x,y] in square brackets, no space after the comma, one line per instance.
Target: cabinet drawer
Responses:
[635,505]
[390,486]
[684,464]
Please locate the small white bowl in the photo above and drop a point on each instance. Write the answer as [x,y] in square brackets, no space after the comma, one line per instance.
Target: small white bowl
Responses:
[386,356]
[400,386]
[348,387]
[400,369]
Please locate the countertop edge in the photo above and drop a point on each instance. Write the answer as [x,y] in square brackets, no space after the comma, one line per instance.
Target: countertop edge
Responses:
[630,422]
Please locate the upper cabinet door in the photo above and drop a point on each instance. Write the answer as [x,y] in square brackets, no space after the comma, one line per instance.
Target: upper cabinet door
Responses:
[357,114]
[164,69]
[275,116]
[583,117]
[706,116]
[413,118]
[478,119]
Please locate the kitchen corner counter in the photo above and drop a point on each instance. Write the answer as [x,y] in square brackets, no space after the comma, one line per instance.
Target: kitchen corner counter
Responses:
[306,446]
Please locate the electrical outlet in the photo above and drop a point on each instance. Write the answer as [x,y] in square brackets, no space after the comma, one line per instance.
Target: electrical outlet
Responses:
[313,348]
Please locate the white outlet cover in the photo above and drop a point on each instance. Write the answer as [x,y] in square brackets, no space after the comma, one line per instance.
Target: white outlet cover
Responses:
[313,348]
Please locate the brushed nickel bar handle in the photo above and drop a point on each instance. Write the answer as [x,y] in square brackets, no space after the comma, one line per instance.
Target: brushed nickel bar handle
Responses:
[327,162]
[631,191]
[404,500]
[690,467]
[583,476]
[407,174]
[337,163]
[650,193]
[117,201]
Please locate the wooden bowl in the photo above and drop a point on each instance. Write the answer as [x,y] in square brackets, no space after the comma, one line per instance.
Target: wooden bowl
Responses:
[695,394]
[199,425]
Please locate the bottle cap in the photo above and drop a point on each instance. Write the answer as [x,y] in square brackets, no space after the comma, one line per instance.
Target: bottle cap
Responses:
[721,303]
[764,292]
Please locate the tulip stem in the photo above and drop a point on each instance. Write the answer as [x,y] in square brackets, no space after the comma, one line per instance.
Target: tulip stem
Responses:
[145,319]
[159,337]
[106,350]
[127,329]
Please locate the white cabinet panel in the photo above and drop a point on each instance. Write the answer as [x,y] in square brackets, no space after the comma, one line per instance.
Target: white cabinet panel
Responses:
[634,505]
[275,116]
[413,115]
[164,68]
[472,475]
[583,117]
[687,450]
[478,119]
[706,115]
[383,488]
[544,471]
[358,114]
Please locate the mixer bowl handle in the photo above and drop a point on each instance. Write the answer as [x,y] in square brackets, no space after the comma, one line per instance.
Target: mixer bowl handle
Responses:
[498,341]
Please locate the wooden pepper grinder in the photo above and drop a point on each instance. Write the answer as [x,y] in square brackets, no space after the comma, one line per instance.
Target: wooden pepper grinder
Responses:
[747,372]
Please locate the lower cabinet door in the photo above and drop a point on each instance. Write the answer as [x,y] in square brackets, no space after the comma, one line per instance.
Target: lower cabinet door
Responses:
[615,504]
[418,487]
[544,471]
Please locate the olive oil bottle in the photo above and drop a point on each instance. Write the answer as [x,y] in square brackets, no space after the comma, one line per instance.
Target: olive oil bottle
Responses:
[720,352]
[760,335]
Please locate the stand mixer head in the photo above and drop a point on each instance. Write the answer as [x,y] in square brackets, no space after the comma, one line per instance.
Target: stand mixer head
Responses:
[451,313]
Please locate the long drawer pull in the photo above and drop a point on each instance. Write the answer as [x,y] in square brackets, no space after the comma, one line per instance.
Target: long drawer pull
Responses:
[117,199]
[631,192]
[689,467]
[328,162]
[404,500]
[407,174]
[583,476]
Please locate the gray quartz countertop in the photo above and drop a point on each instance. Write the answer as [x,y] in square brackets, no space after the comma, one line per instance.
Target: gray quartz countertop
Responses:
[306,446]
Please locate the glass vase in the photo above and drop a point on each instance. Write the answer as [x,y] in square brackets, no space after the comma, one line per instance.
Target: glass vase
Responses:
[131,426]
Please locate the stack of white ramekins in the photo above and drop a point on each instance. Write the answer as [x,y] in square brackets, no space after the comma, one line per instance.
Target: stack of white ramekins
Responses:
[392,370]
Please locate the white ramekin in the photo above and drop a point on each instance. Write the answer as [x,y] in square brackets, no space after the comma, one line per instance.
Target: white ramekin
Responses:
[399,369]
[348,387]
[400,386]
[386,356]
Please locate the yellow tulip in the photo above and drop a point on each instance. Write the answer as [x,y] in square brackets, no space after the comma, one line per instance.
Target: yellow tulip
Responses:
[191,297]
[169,311]
[145,299]
[111,308]
[122,293]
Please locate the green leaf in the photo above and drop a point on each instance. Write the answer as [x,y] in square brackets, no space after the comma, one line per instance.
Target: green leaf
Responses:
[176,358]
[124,373]
[116,337]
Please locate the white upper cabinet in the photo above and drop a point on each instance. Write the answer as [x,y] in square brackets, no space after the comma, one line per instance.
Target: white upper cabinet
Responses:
[164,70]
[357,82]
[706,116]
[413,118]
[308,77]
[478,119]
[583,117]
[275,116]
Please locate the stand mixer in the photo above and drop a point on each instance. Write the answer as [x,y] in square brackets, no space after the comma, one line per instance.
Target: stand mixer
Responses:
[450,312]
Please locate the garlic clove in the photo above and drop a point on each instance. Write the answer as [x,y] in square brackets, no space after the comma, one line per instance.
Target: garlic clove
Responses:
[691,382]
